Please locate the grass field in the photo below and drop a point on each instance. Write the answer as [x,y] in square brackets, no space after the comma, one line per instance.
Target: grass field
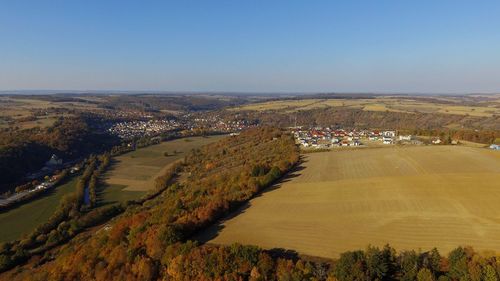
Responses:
[412,197]
[114,193]
[133,173]
[378,104]
[23,219]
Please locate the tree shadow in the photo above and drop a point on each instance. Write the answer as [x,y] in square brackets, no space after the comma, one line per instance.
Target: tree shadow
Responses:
[276,253]
[102,186]
[100,202]
[212,231]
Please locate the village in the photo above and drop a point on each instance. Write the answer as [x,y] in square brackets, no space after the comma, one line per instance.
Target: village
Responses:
[135,129]
[128,130]
[325,138]
[217,124]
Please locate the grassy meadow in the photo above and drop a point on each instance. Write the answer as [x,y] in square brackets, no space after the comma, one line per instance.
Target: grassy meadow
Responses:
[410,197]
[132,174]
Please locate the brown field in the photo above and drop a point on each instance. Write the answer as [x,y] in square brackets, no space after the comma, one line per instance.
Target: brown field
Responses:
[381,104]
[137,170]
[410,197]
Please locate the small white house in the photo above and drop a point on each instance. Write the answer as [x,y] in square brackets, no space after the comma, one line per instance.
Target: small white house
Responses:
[436,141]
[387,140]
[495,147]
[405,137]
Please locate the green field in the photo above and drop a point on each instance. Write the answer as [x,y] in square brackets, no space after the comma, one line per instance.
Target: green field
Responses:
[409,197]
[114,193]
[133,174]
[23,219]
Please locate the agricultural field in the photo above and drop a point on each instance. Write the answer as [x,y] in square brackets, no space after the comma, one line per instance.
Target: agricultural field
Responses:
[411,197]
[19,112]
[132,174]
[392,104]
[24,218]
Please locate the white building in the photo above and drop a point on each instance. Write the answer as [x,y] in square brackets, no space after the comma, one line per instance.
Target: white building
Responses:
[405,137]
[387,140]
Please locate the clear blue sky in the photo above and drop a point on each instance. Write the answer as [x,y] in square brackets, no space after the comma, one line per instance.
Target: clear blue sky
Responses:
[251,46]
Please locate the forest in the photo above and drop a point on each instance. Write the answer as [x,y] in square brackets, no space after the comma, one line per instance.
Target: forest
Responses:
[70,138]
[212,181]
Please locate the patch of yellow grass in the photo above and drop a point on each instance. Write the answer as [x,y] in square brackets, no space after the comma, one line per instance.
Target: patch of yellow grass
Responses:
[413,198]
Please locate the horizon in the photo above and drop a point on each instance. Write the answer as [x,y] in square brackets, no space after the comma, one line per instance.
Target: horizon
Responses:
[228,93]
[260,47]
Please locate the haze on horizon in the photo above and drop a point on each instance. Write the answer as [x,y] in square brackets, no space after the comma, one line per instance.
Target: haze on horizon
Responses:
[252,46]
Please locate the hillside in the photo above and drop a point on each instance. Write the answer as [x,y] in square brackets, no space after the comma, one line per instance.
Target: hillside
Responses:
[142,243]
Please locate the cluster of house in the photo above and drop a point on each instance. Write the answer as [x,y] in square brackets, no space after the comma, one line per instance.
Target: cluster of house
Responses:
[214,122]
[20,195]
[133,129]
[326,137]
[495,147]
[190,121]
[124,114]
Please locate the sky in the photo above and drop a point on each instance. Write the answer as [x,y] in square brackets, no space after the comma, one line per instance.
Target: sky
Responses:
[434,46]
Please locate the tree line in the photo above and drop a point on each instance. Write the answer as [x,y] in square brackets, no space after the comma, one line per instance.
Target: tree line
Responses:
[71,216]
[214,180]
